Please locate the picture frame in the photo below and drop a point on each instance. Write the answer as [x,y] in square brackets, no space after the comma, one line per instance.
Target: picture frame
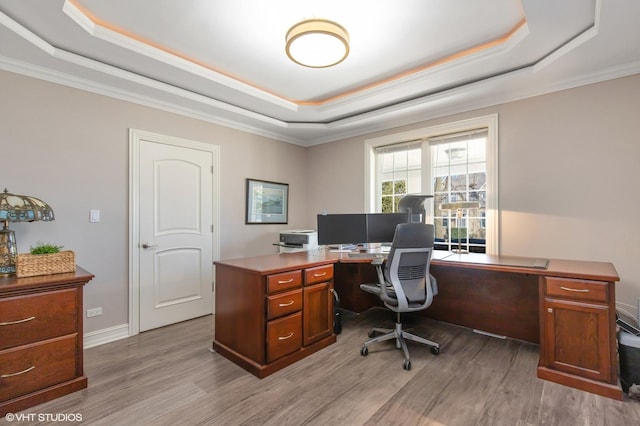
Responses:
[267,202]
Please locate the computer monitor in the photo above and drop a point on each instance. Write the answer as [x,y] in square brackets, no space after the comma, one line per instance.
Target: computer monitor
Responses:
[346,228]
[382,226]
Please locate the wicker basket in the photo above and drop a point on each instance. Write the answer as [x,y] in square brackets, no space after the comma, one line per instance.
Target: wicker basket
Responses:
[31,265]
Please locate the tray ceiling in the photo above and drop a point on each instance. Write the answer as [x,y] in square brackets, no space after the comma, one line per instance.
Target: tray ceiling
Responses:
[411,60]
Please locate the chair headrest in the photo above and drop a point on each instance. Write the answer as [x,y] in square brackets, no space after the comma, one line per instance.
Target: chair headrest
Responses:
[413,235]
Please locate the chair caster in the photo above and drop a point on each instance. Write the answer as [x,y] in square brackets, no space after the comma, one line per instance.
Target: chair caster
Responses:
[406,365]
[371,334]
[435,351]
[364,351]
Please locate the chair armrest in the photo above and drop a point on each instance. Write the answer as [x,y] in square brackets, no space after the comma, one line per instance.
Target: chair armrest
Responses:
[371,288]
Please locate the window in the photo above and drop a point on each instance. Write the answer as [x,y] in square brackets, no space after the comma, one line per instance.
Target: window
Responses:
[453,162]
[459,173]
[398,170]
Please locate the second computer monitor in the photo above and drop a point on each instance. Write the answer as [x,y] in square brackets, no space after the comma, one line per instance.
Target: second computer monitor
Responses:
[382,226]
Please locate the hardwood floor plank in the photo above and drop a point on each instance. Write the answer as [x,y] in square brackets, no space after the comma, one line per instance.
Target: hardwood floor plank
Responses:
[153,409]
[168,376]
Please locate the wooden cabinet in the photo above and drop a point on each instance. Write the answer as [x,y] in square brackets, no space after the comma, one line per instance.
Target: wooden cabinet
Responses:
[578,334]
[272,311]
[40,338]
[318,303]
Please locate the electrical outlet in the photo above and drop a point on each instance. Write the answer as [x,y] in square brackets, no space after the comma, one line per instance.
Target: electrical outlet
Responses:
[94,312]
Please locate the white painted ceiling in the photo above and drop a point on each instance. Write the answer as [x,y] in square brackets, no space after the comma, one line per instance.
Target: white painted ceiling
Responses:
[411,60]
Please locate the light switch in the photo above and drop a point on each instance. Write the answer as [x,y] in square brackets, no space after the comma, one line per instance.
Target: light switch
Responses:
[94,216]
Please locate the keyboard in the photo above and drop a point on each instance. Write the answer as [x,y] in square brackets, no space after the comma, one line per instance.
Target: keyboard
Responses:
[366,255]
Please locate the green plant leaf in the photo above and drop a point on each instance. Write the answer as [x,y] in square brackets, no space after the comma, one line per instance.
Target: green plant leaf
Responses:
[42,248]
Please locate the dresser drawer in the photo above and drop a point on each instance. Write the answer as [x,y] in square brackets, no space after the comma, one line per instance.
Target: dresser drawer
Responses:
[33,367]
[318,275]
[282,304]
[577,289]
[284,281]
[28,319]
[284,336]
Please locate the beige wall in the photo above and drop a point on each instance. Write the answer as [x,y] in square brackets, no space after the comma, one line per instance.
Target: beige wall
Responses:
[567,181]
[565,160]
[70,148]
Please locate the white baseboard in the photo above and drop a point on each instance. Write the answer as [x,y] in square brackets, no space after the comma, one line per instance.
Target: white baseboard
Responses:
[106,335]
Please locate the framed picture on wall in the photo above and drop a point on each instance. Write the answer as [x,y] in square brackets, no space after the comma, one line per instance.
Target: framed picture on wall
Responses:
[267,202]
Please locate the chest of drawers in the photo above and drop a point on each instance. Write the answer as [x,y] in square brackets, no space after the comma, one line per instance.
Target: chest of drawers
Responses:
[40,338]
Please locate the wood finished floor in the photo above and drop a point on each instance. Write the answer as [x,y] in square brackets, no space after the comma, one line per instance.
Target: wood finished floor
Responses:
[169,377]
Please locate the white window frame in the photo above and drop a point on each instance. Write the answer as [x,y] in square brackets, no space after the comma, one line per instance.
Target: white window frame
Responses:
[492,204]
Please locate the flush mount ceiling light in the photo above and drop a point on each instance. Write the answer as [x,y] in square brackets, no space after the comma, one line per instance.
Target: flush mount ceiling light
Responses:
[317,43]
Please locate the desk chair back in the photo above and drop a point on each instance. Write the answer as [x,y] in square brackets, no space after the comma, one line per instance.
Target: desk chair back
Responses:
[407,269]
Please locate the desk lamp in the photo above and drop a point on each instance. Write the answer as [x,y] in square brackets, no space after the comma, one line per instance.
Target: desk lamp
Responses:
[459,206]
[17,208]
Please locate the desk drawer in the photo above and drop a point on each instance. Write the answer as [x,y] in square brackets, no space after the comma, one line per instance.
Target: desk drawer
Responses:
[577,289]
[32,367]
[284,281]
[284,303]
[284,336]
[31,318]
[318,275]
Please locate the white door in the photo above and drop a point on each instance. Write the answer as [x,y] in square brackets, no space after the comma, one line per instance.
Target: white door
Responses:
[175,226]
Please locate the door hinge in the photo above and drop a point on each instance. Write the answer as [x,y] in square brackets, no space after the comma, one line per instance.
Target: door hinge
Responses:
[211,228]
[211,169]
[213,286]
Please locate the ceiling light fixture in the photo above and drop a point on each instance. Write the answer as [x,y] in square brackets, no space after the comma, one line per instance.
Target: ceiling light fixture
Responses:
[317,43]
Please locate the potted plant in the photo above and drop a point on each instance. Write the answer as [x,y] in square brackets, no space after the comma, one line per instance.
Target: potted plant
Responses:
[45,259]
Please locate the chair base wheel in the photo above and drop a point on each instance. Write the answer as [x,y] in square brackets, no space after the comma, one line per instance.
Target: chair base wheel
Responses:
[406,365]
[371,334]
[435,351]
[364,351]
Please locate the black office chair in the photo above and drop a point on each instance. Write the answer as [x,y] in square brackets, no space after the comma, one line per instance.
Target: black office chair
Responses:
[405,285]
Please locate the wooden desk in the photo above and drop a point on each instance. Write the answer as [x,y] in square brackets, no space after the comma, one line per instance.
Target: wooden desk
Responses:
[40,338]
[502,295]
[495,294]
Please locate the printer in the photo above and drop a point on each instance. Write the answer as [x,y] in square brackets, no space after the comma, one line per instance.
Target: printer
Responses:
[298,240]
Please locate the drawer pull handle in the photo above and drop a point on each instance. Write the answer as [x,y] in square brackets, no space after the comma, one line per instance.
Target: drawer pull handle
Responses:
[17,322]
[288,336]
[4,376]
[319,275]
[576,290]
[290,280]
[282,305]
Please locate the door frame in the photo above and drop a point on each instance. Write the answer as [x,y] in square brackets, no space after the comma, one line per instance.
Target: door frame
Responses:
[135,137]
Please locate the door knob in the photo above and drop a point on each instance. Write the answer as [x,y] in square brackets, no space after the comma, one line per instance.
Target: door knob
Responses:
[146,245]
